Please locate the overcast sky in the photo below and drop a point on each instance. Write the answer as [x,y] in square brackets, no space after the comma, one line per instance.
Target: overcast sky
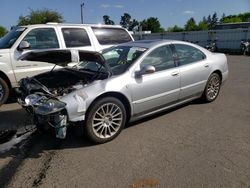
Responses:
[169,13]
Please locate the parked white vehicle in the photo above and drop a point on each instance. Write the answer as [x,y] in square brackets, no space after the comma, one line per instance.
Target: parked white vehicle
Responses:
[23,39]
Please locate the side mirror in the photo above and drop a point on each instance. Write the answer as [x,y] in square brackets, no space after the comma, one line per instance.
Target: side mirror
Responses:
[24,45]
[147,69]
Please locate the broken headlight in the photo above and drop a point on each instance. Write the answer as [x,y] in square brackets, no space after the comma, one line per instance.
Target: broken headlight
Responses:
[49,106]
[32,100]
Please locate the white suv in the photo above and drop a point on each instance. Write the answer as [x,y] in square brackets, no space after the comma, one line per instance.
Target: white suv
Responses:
[49,36]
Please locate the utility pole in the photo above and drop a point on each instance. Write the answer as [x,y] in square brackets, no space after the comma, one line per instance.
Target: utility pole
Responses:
[82,5]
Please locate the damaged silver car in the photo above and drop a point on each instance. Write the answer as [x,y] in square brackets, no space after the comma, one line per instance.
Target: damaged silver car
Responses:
[103,91]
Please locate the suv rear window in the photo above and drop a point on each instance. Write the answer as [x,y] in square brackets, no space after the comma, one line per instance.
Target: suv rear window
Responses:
[75,37]
[111,35]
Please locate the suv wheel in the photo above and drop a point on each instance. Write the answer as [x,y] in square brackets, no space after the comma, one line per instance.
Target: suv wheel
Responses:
[4,91]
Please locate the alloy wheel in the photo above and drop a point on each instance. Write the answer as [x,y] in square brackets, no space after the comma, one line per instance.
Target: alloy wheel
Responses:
[213,87]
[107,120]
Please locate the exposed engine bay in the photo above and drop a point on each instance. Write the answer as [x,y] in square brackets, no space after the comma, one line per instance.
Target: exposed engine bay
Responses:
[40,95]
[58,82]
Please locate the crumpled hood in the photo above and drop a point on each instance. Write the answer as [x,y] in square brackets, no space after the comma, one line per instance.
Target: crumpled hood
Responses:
[64,57]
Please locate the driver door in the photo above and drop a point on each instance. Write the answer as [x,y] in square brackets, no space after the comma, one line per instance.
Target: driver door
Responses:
[39,39]
[156,90]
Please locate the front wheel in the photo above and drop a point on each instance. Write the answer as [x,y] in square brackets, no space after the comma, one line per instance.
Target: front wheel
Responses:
[4,91]
[105,120]
[212,88]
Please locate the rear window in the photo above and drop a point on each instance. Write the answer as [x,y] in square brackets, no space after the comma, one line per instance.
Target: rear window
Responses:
[111,35]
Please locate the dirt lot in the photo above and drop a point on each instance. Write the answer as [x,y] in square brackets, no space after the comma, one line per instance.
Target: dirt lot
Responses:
[196,145]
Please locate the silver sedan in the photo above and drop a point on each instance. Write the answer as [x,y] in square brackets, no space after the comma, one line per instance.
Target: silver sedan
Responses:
[103,91]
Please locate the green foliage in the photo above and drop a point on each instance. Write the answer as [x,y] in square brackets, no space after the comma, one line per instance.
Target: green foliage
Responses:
[133,24]
[107,21]
[127,23]
[151,24]
[40,17]
[175,29]
[244,17]
[211,21]
[125,20]
[3,31]
[214,21]
[191,25]
[232,19]
[202,25]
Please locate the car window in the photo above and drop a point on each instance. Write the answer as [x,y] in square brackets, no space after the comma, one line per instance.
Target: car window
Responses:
[10,38]
[42,38]
[187,54]
[161,58]
[119,58]
[108,36]
[75,37]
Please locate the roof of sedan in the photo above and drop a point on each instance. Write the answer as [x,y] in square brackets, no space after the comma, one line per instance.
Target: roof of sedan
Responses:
[146,43]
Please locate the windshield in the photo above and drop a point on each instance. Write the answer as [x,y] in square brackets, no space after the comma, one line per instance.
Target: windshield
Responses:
[92,66]
[10,38]
[119,58]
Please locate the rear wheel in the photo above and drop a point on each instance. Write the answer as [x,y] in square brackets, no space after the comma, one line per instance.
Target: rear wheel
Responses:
[212,88]
[105,120]
[245,51]
[4,91]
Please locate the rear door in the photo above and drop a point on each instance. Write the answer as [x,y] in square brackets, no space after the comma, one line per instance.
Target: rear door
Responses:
[194,70]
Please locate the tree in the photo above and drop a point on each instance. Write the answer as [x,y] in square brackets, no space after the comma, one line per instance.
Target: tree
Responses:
[151,24]
[244,17]
[127,23]
[3,31]
[231,19]
[175,29]
[40,17]
[214,21]
[209,21]
[125,20]
[107,21]
[202,25]
[222,17]
[133,24]
[191,25]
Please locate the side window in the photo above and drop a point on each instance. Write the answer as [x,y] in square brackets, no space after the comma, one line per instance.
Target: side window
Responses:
[161,58]
[109,36]
[75,37]
[42,38]
[188,54]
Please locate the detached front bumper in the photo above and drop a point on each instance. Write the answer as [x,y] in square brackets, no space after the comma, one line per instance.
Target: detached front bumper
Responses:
[47,112]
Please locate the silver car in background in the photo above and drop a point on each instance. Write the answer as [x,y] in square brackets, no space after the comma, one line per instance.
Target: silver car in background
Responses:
[103,91]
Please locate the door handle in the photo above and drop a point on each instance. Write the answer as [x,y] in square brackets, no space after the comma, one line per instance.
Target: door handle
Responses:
[175,73]
[207,65]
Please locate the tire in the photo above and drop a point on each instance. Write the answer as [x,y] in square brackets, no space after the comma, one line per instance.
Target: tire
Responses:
[245,52]
[105,120]
[4,91]
[212,88]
